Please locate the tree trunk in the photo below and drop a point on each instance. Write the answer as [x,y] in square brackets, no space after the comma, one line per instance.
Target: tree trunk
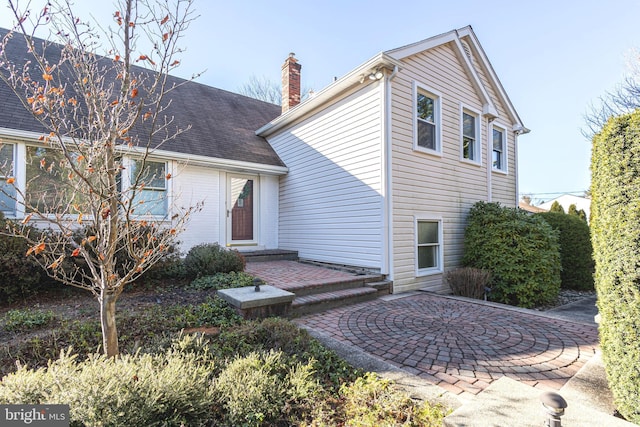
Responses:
[108,322]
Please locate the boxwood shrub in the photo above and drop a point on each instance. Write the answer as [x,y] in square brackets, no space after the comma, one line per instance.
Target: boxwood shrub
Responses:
[615,215]
[521,251]
[210,258]
[576,252]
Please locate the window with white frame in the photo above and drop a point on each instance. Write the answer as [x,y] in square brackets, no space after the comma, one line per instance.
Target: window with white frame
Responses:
[499,143]
[470,136]
[427,120]
[428,246]
[50,189]
[7,179]
[151,179]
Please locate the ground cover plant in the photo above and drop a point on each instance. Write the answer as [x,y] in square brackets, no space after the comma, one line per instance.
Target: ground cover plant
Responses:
[188,359]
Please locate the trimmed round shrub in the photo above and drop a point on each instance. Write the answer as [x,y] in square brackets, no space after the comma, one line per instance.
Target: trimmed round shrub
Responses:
[576,252]
[615,229]
[210,258]
[521,252]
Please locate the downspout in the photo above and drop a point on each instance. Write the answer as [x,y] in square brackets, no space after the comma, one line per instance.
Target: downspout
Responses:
[489,160]
[388,181]
[517,131]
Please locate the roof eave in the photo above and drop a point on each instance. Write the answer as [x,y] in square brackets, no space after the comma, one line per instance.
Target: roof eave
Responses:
[190,159]
[353,78]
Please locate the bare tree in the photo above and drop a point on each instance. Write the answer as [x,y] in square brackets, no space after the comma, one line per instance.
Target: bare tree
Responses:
[267,90]
[263,89]
[623,99]
[90,183]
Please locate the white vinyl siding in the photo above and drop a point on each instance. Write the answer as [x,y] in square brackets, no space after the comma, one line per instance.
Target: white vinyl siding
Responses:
[192,185]
[330,201]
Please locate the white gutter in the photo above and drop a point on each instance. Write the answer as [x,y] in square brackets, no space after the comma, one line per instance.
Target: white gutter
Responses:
[191,159]
[329,93]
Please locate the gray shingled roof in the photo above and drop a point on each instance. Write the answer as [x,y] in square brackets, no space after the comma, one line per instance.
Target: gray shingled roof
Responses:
[223,123]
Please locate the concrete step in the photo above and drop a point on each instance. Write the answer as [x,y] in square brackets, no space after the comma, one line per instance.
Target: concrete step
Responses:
[316,303]
[304,289]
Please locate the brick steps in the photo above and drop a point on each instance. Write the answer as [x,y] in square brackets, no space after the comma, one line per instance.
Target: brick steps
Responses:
[320,297]
[326,300]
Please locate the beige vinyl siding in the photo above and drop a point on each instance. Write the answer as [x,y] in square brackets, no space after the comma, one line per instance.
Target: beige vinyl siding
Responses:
[503,186]
[330,201]
[422,184]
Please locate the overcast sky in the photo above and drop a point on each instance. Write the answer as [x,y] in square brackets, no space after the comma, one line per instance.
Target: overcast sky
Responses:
[553,58]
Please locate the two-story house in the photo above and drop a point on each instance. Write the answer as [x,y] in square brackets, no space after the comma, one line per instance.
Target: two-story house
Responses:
[378,170]
[384,164]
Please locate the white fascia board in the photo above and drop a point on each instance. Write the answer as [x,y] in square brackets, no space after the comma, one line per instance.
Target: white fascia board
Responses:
[190,159]
[422,45]
[479,52]
[329,93]
[210,162]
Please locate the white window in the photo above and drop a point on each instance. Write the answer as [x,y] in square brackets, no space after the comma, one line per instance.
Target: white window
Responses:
[50,189]
[499,143]
[427,127]
[151,199]
[7,190]
[470,136]
[428,246]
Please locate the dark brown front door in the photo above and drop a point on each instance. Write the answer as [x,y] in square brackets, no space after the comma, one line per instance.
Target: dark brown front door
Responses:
[242,209]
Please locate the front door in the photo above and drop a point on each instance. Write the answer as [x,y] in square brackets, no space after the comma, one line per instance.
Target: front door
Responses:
[242,213]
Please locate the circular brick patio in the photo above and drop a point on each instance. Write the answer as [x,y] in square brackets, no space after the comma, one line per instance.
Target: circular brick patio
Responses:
[462,345]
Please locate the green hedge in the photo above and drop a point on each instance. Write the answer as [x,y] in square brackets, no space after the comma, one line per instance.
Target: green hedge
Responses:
[520,250]
[615,228]
[20,276]
[576,251]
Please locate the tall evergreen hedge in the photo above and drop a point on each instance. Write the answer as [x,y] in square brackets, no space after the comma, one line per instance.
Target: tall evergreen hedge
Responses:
[520,250]
[576,252]
[615,228]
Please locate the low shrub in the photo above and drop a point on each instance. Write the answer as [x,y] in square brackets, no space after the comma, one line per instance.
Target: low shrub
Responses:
[170,389]
[469,282]
[22,320]
[211,258]
[371,401]
[520,250]
[217,281]
[282,335]
[576,252]
[264,389]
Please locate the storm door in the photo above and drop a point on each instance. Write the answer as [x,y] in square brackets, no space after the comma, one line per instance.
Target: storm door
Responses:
[242,213]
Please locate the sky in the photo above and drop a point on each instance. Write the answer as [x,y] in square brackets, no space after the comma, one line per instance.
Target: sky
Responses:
[554,58]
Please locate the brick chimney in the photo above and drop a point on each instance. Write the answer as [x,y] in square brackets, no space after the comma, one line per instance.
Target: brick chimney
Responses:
[290,83]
